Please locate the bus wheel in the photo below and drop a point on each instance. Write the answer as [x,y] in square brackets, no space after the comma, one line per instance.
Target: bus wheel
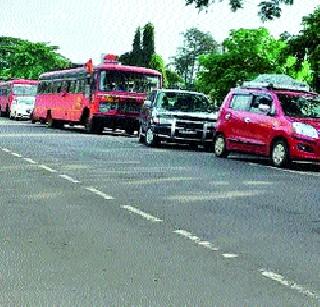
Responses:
[93,128]
[50,121]
[129,130]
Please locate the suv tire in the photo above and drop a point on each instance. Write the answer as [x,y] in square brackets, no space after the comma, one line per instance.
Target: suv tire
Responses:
[220,147]
[140,136]
[151,140]
[280,154]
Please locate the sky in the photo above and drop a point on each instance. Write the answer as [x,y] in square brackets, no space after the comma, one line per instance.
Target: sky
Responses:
[85,29]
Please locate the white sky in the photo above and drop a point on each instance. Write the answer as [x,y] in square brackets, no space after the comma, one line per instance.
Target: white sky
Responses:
[87,28]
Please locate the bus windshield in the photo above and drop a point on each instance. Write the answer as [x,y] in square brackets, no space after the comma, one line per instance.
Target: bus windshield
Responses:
[300,105]
[185,102]
[127,82]
[25,89]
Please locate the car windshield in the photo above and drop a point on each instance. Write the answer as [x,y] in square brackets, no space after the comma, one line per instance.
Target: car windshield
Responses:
[25,89]
[300,105]
[127,82]
[185,102]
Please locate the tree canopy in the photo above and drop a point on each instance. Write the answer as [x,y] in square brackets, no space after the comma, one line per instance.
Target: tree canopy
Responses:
[268,9]
[195,43]
[248,52]
[23,59]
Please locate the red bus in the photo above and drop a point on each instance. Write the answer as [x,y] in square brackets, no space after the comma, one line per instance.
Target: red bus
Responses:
[14,90]
[108,95]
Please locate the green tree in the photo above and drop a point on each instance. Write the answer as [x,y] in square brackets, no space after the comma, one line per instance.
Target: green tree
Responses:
[268,9]
[148,43]
[248,54]
[306,46]
[24,59]
[196,43]
[173,79]
[157,63]
[137,53]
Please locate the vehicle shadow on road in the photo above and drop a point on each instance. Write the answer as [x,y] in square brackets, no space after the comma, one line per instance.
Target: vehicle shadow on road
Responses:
[294,166]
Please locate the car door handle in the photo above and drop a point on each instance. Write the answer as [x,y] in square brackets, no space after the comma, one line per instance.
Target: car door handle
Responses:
[227,116]
[246,120]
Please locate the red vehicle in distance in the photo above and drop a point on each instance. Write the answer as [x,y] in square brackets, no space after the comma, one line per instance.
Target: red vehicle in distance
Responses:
[108,95]
[15,91]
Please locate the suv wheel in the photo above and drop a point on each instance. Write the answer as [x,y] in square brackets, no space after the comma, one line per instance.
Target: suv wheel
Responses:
[220,147]
[280,154]
[151,139]
[141,137]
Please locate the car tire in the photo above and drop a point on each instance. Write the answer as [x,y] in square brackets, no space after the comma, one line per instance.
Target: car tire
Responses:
[220,147]
[140,135]
[280,156]
[151,139]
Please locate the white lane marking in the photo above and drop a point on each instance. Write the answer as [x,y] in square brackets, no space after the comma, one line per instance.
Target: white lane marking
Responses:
[214,196]
[257,182]
[145,215]
[30,160]
[230,256]
[158,180]
[291,284]
[6,150]
[196,239]
[219,182]
[97,192]
[47,168]
[16,154]
[66,177]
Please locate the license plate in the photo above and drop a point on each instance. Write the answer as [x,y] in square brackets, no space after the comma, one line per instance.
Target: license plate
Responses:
[188,132]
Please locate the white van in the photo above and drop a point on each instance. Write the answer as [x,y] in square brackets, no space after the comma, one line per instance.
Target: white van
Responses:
[22,108]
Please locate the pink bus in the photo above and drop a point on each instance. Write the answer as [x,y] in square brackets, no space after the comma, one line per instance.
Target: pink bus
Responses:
[108,95]
[14,90]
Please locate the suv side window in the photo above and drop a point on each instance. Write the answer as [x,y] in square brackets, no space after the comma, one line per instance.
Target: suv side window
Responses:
[241,102]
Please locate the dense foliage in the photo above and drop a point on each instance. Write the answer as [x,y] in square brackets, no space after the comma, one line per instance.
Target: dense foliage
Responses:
[23,59]
[268,9]
[247,53]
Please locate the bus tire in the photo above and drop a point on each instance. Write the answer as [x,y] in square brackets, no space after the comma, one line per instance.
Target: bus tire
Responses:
[93,128]
[129,131]
[50,121]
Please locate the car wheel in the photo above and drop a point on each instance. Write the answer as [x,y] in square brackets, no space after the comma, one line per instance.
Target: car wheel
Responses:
[151,139]
[220,147]
[140,135]
[280,154]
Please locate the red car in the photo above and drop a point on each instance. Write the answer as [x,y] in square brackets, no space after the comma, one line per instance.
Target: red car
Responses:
[273,116]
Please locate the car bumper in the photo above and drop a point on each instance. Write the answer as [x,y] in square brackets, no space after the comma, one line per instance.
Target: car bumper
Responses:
[184,136]
[304,149]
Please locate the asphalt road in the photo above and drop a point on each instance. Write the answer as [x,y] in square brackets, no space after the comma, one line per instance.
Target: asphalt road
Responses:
[90,220]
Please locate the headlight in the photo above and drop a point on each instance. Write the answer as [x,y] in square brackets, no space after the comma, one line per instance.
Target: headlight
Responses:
[305,130]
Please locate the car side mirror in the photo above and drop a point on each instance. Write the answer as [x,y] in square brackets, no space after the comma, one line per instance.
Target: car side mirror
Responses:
[147,104]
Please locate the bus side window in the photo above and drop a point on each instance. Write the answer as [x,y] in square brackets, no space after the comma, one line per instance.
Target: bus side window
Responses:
[72,86]
[67,86]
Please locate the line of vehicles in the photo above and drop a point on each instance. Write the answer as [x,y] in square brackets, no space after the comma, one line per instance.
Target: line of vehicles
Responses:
[272,116]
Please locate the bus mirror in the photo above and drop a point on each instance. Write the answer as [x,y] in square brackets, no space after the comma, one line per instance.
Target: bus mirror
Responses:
[147,104]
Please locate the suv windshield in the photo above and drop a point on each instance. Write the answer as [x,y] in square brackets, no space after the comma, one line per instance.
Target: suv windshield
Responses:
[127,82]
[25,89]
[300,105]
[185,102]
